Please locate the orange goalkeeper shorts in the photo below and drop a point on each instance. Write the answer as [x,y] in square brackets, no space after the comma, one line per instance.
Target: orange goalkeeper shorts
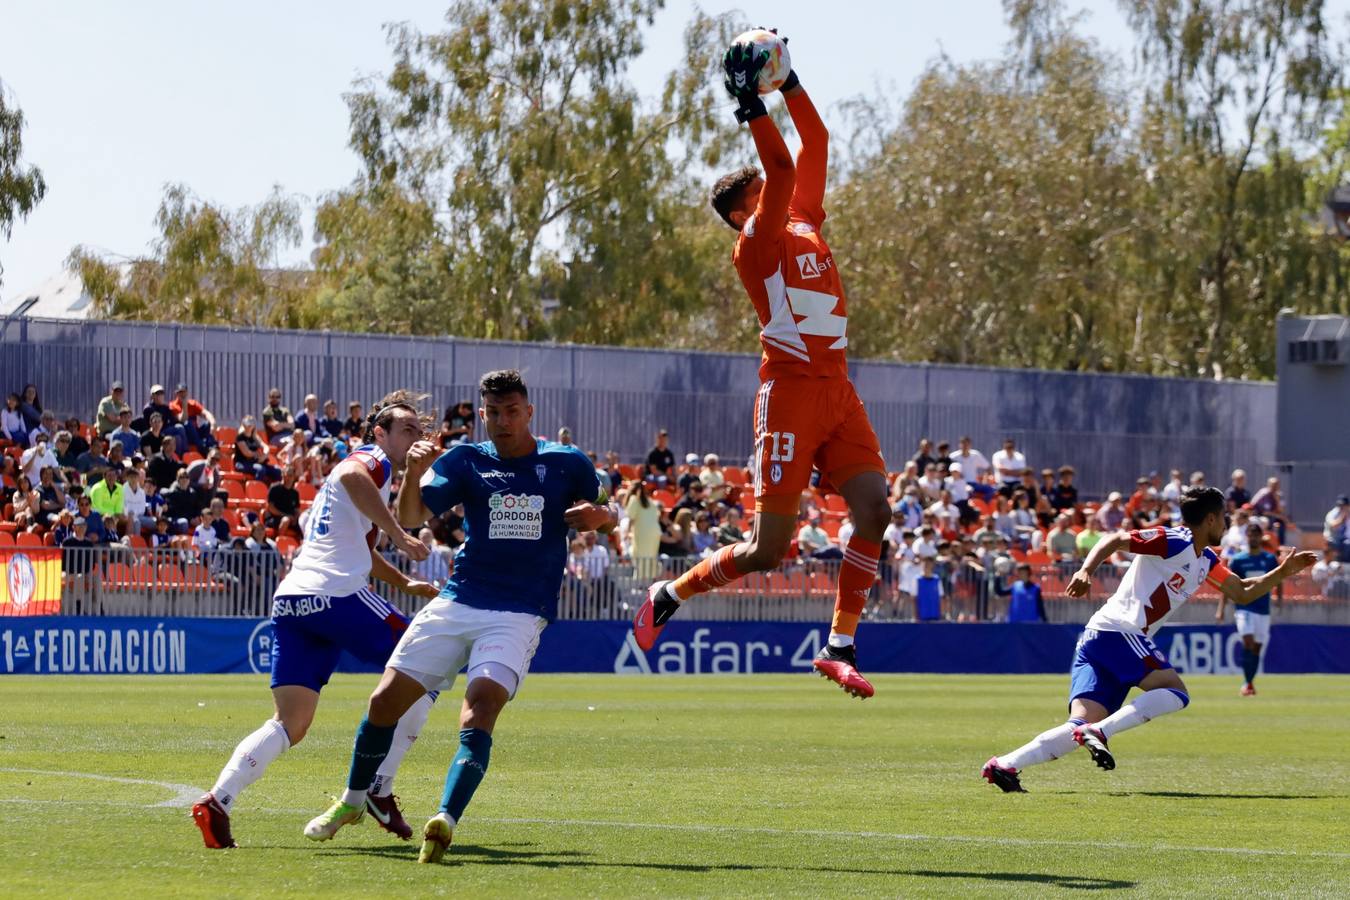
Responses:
[806,423]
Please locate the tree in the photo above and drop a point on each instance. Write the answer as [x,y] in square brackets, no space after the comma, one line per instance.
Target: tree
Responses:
[22,187]
[209,266]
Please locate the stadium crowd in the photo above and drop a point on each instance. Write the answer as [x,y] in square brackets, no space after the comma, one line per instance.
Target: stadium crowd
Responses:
[169,475]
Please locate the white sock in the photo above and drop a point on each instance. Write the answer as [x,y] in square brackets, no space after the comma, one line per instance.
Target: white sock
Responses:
[251,758]
[841,640]
[353,798]
[1044,747]
[404,735]
[447,817]
[1148,705]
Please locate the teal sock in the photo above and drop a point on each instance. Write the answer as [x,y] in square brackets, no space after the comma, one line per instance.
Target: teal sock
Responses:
[466,771]
[1251,662]
[371,747]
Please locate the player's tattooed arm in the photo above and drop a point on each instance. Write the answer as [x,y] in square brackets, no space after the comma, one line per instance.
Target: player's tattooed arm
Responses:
[1081,582]
[366,496]
[1245,590]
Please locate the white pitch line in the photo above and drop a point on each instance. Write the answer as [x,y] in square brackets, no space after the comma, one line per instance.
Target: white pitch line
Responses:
[185,794]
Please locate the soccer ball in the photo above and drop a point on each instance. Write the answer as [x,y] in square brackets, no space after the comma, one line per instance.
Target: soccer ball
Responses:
[776,70]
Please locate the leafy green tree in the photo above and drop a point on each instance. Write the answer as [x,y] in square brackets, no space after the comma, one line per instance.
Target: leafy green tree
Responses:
[209,265]
[22,187]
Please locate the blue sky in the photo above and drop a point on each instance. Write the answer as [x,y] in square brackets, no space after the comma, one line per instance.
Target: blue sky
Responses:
[122,98]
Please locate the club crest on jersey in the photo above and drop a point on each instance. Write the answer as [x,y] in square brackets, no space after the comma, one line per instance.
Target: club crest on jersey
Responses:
[540,471]
[801,228]
[775,473]
[806,262]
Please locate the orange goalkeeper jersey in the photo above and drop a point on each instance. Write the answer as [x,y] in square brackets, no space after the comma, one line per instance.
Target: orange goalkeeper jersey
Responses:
[783,261]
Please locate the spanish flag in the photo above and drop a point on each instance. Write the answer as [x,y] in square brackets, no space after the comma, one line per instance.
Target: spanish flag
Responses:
[32,581]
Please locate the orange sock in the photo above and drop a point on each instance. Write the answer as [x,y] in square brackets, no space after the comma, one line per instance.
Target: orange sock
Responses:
[856,574]
[709,574]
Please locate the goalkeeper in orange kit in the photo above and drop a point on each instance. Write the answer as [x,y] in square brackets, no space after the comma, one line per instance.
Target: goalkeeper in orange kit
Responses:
[807,413]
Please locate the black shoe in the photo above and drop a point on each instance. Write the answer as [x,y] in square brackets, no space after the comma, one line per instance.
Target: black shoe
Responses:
[1005,778]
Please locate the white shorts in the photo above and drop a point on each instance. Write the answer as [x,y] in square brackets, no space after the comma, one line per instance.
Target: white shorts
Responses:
[447,636]
[1255,624]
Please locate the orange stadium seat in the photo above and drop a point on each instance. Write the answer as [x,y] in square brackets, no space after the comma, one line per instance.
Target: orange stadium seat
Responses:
[6,538]
[306,491]
[27,539]
[255,490]
[226,434]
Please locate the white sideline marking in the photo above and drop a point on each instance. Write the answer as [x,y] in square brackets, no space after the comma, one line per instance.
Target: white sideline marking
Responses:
[186,794]
[183,794]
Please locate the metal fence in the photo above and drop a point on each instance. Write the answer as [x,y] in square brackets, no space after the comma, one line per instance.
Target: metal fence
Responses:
[119,581]
[1112,427]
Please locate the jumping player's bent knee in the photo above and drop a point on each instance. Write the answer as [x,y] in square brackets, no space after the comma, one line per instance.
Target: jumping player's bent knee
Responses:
[761,557]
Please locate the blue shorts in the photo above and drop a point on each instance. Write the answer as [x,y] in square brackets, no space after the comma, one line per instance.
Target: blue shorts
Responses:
[309,633]
[1107,664]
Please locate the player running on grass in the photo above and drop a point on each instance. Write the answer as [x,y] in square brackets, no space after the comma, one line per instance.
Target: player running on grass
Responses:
[1252,620]
[807,413]
[1115,653]
[520,496]
[324,606]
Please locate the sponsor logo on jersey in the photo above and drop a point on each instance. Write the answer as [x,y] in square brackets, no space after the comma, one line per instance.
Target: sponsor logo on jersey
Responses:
[494,473]
[300,606]
[1176,582]
[518,517]
[806,262]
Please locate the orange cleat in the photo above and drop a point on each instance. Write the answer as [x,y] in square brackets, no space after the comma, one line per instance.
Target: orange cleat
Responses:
[214,823]
[1248,690]
[840,665]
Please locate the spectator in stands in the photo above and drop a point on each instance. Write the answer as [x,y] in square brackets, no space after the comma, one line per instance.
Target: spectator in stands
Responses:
[1026,603]
[732,529]
[812,541]
[682,533]
[124,434]
[612,472]
[688,473]
[1061,542]
[1238,495]
[356,422]
[161,537]
[205,477]
[219,522]
[154,436]
[108,415]
[164,467]
[27,502]
[1145,513]
[910,508]
[713,478]
[925,545]
[97,532]
[108,497]
[322,460]
[307,420]
[283,504]
[1234,540]
[294,455]
[705,539]
[1026,526]
[660,464]
[51,496]
[250,456]
[75,428]
[943,457]
[64,527]
[1330,575]
[265,563]
[205,538]
[1009,465]
[972,461]
[695,498]
[277,420]
[1268,503]
[12,427]
[928,591]
[959,490]
[1065,494]
[1141,489]
[947,513]
[158,404]
[46,428]
[436,568]
[1171,495]
[458,424]
[67,451]
[30,407]
[1336,528]
[196,420]
[565,437]
[9,470]
[930,485]
[1088,538]
[330,426]
[37,458]
[924,458]
[135,509]
[92,460]
[1112,514]
[79,539]
[180,503]
[644,523]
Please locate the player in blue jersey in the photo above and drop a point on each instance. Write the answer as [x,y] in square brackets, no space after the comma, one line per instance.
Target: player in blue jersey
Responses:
[1252,620]
[520,497]
[324,606]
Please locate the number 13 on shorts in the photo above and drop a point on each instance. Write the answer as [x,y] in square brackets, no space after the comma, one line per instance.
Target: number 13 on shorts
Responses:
[781,445]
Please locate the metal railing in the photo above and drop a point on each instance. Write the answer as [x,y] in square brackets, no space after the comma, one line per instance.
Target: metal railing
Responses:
[121,581]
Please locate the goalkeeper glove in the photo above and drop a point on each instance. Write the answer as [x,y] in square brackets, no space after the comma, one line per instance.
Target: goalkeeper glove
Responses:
[742,65]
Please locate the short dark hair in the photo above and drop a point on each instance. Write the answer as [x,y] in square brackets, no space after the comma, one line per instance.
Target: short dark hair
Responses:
[726,193]
[382,413]
[503,382]
[1198,502]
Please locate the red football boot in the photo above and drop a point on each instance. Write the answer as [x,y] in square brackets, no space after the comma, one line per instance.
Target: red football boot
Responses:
[840,665]
[652,617]
[214,823]
[388,816]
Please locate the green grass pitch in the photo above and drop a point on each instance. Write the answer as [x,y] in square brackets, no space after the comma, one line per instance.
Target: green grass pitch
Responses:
[707,786]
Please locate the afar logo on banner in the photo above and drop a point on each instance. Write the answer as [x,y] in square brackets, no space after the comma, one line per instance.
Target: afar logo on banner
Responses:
[260,648]
[22,580]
